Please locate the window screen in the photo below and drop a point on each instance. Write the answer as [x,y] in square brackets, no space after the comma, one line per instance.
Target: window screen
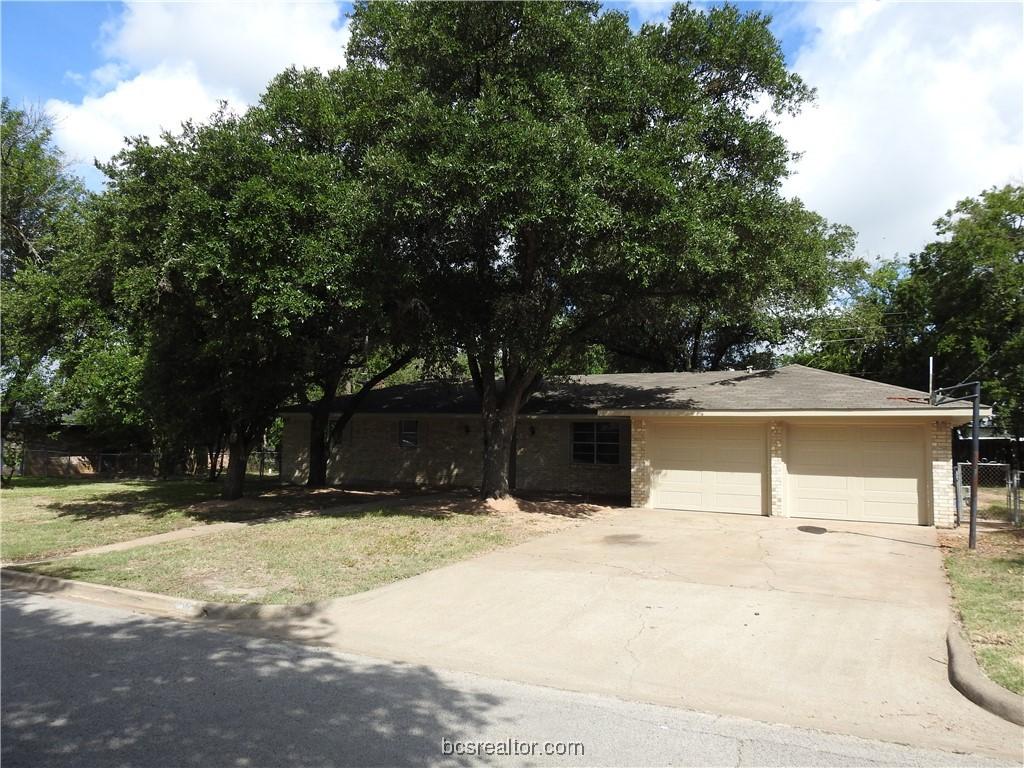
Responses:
[595,442]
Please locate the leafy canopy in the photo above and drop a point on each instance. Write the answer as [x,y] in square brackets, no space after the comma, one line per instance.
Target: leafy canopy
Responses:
[961,299]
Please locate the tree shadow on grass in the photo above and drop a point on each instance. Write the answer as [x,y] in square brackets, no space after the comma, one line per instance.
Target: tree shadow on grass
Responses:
[570,506]
[200,501]
[147,691]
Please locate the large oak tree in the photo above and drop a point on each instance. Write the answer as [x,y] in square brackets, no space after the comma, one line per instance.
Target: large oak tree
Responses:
[542,168]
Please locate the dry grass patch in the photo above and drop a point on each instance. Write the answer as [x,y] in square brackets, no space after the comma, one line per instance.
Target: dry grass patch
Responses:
[49,517]
[319,557]
[988,588]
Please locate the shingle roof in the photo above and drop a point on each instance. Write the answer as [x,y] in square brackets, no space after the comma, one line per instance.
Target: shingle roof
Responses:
[791,388]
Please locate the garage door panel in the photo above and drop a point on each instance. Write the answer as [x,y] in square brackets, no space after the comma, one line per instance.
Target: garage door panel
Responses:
[818,454]
[825,482]
[888,512]
[822,508]
[714,468]
[672,499]
[891,485]
[679,476]
[870,473]
[744,503]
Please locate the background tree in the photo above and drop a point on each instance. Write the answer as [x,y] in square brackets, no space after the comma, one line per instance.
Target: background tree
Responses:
[745,317]
[210,262]
[41,211]
[542,168]
[960,299]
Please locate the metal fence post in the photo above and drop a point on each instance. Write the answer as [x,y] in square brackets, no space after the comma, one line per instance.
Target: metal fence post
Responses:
[958,492]
[1015,497]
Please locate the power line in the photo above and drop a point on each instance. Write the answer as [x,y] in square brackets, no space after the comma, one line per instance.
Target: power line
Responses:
[983,364]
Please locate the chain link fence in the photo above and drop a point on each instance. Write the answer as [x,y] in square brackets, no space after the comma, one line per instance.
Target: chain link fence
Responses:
[45,462]
[999,495]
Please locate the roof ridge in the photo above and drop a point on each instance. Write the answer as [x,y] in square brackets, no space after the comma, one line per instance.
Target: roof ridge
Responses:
[854,378]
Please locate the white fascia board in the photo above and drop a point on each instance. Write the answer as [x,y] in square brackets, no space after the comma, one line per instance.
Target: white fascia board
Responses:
[916,413]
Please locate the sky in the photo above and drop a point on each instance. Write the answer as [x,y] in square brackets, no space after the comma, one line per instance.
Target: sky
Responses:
[919,104]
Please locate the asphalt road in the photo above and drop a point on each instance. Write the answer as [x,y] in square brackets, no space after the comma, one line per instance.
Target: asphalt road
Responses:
[84,685]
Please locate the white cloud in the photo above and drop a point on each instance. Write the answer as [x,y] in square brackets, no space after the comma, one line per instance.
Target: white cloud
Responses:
[169,62]
[233,46]
[160,98]
[918,106]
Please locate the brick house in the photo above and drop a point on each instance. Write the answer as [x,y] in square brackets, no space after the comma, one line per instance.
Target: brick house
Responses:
[793,441]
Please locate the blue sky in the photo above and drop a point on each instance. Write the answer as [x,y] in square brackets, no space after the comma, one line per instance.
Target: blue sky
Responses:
[43,41]
[919,104]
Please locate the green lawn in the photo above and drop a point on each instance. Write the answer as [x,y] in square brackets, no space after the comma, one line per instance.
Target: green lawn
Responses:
[303,559]
[46,517]
[988,586]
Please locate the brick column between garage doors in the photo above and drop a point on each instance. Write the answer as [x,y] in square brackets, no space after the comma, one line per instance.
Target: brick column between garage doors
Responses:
[943,494]
[639,465]
[777,468]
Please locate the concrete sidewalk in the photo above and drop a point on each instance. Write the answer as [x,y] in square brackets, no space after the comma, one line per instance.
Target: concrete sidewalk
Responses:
[839,627]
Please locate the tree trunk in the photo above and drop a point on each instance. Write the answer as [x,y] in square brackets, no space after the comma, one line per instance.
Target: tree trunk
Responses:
[319,441]
[214,454]
[238,457]
[499,429]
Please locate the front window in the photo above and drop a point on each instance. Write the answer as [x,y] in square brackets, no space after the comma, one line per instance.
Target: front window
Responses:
[595,442]
[408,433]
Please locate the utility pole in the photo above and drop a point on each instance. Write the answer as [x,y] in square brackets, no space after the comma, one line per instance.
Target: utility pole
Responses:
[970,390]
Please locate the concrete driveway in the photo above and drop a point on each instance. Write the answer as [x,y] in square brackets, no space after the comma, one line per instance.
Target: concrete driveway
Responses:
[837,626]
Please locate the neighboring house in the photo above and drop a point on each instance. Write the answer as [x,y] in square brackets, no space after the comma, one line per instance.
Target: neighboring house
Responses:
[794,441]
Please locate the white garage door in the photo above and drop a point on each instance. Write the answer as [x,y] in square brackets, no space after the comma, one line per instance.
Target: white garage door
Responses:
[707,467]
[856,473]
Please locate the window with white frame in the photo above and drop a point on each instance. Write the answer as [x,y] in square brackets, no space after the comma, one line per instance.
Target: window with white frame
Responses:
[595,442]
[408,433]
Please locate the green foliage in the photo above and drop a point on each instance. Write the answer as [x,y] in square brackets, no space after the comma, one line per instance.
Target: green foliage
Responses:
[542,168]
[744,317]
[41,209]
[212,255]
[40,198]
[961,299]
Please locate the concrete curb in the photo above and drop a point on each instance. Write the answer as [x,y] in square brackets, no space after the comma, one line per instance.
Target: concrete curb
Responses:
[149,602]
[967,677]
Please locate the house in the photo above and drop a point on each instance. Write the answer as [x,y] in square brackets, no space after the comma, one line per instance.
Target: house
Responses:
[793,441]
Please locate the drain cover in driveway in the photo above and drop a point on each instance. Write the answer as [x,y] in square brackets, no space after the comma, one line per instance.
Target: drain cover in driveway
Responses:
[815,529]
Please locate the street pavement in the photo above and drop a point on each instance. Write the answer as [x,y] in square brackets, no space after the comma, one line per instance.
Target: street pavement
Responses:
[85,685]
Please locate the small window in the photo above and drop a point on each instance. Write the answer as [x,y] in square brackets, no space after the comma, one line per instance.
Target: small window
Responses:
[595,442]
[408,433]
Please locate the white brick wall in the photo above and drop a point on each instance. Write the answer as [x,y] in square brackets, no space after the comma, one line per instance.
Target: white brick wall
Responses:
[640,465]
[943,501]
[777,468]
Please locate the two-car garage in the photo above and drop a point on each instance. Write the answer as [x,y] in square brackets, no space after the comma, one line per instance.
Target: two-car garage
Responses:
[873,472]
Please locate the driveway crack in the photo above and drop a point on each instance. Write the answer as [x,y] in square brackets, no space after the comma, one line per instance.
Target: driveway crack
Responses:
[628,647]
